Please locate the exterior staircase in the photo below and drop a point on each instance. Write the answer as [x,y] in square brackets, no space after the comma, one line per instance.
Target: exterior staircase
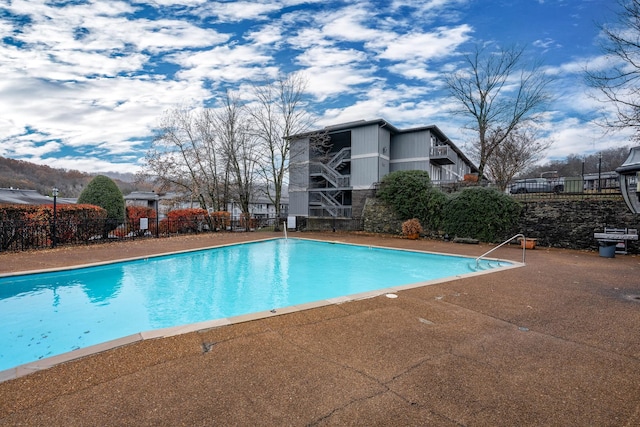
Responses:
[325,201]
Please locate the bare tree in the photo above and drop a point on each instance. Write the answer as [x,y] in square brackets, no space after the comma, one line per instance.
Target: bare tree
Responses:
[498,94]
[278,112]
[183,156]
[514,155]
[619,83]
[239,148]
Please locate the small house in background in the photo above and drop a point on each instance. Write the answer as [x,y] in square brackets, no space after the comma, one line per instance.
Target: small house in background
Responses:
[18,196]
[261,206]
[334,170]
[147,199]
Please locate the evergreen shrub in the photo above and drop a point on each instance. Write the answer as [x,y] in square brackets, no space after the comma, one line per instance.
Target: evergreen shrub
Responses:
[102,191]
[481,213]
[412,195]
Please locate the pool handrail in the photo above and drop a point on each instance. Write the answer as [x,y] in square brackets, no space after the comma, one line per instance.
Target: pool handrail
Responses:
[524,245]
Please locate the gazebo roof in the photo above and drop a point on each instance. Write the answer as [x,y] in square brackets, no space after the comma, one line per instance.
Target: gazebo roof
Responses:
[632,164]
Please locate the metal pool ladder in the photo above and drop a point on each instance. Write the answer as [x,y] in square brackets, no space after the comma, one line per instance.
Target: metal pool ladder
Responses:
[502,244]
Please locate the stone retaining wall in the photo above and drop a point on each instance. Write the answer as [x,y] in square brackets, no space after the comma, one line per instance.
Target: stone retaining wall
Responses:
[570,223]
[559,223]
[379,218]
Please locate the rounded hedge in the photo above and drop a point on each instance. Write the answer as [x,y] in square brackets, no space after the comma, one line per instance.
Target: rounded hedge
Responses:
[481,213]
[103,192]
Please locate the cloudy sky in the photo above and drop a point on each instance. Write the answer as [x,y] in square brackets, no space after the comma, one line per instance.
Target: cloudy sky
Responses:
[84,82]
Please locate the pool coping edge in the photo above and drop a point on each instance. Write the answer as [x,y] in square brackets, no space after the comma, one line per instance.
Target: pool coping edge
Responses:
[49,362]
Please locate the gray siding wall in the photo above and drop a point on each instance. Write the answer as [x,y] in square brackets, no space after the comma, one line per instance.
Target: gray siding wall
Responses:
[364,157]
[299,178]
[411,146]
[299,165]
[410,165]
[298,203]
[410,151]
[385,152]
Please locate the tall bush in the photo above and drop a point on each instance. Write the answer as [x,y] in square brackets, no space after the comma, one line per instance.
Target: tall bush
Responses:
[102,191]
[411,195]
[481,213]
[134,214]
[187,220]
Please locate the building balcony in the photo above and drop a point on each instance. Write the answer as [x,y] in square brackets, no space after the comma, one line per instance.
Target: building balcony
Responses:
[442,155]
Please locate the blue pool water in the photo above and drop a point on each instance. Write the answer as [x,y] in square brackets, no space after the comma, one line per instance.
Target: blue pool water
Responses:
[46,314]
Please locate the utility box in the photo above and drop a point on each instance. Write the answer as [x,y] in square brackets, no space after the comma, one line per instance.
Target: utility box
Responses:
[291,222]
[573,184]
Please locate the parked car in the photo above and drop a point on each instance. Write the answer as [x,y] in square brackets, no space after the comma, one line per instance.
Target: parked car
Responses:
[537,185]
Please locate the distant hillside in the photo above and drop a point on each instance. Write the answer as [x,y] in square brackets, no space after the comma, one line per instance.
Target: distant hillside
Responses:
[29,176]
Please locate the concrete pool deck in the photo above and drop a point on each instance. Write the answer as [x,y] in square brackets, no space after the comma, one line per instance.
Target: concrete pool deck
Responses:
[553,343]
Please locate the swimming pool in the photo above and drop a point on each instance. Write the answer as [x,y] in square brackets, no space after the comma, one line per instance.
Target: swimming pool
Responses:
[47,314]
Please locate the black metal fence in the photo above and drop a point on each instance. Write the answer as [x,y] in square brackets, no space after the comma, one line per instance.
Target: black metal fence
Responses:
[329,224]
[570,190]
[21,235]
[566,195]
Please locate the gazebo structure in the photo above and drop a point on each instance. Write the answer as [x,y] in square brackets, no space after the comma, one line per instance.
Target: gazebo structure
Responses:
[630,180]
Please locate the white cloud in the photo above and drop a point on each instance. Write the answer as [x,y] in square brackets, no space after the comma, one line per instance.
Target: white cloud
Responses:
[414,70]
[169,3]
[430,9]
[228,63]
[352,23]
[238,10]
[545,44]
[89,163]
[573,136]
[321,56]
[267,35]
[426,46]
[27,146]
[403,106]
[108,113]
[309,37]
[330,81]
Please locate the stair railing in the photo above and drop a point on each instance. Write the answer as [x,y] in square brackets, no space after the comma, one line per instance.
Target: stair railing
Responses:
[524,245]
[334,178]
[339,157]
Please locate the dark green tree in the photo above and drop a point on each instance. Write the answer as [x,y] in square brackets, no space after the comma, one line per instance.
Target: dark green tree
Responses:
[481,213]
[411,195]
[103,192]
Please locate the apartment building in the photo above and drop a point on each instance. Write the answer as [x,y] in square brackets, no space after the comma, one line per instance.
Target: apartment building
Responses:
[333,170]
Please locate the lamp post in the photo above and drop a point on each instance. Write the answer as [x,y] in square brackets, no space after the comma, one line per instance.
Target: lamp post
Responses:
[157,215]
[55,214]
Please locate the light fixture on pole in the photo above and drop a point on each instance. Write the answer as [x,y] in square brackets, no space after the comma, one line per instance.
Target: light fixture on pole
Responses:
[157,203]
[53,228]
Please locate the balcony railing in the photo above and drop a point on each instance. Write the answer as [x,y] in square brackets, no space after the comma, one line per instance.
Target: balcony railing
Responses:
[442,155]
